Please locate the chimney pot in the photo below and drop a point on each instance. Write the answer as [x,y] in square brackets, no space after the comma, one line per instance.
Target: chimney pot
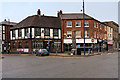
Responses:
[39,12]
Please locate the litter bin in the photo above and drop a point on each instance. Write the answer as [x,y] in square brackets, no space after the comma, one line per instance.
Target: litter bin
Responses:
[78,51]
[73,52]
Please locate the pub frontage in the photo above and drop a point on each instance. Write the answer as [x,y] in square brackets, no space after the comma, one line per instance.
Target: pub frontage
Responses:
[36,32]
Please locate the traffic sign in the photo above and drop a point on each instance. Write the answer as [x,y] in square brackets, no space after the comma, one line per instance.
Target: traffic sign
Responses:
[92,40]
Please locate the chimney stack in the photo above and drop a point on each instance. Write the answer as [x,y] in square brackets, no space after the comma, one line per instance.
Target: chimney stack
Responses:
[38,12]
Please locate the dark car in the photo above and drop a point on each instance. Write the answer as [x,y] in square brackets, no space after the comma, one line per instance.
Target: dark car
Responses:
[42,52]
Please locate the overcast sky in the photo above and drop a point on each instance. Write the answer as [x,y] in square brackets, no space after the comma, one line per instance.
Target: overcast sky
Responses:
[17,11]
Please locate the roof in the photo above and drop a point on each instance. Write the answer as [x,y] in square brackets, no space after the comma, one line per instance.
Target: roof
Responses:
[7,23]
[39,21]
[74,16]
[108,22]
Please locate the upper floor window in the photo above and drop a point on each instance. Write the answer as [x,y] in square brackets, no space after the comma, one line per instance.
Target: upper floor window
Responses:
[97,35]
[100,26]
[97,25]
[105,36]
[86,24]
[13,33]
[26,31]
[47,32]
[94,34]
[69,24]
[69,34]
[94,24]
[78,34]
[87,34]
[37,31]
[78,23]
[55,32]
[105,28]
[20,32]
[3,28]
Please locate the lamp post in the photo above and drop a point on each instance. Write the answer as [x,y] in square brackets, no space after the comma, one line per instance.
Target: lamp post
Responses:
[84,25]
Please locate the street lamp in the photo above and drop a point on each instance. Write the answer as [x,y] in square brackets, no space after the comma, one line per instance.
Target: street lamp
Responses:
[84,25]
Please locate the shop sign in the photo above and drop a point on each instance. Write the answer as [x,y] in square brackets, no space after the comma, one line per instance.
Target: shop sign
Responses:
[26,50]
[110,42]
[68,41]
[92,40]
[19,49]
[86,41]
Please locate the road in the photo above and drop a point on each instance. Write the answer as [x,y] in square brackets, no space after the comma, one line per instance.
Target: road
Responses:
[99,66]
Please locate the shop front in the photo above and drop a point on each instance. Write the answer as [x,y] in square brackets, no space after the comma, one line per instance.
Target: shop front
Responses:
[110,45]
[50,45]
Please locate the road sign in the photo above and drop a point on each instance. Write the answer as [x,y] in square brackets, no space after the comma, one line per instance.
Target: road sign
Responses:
[92,40]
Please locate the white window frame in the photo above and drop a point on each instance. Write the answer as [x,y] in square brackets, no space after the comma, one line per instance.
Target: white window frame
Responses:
[70,22]
[87,24]
[79,23]
[94,24]
[79,36]
[69,34]
[86,34]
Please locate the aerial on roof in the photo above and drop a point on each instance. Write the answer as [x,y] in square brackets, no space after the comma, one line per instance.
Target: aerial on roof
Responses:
[39,21]
[74,16]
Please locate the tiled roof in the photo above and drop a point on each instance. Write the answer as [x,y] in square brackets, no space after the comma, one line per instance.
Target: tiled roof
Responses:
[75,16]
[39,21]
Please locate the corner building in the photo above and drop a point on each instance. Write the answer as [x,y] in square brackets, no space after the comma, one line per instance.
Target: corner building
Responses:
[36,32]
[94,30]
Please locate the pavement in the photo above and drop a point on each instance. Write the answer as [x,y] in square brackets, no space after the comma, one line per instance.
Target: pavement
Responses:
[66,54]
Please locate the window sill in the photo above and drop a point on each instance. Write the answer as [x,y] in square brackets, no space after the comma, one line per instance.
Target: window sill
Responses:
[69,26]
[78,26]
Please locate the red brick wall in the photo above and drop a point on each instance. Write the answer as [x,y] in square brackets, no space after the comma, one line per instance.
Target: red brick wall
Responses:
[23,45]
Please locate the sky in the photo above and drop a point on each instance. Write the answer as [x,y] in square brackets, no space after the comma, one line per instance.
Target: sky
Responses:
[17,11]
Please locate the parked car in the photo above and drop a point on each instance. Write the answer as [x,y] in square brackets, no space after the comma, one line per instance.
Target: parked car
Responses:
[42,52]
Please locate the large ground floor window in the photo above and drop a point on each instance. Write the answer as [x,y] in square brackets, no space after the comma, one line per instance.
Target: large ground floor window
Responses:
[37,44]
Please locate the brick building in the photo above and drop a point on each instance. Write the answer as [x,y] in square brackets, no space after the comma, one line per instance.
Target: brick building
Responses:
[94,30]
[36,32]
[5,34]
[115,36]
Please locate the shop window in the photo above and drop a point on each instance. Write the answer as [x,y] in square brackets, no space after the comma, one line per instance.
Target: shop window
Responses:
[55,33]
[20,45]
[57,45]
[26,45]
[78,23]
[69,24]
[37,31]
[37,44]
[47,32]
[13,45]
